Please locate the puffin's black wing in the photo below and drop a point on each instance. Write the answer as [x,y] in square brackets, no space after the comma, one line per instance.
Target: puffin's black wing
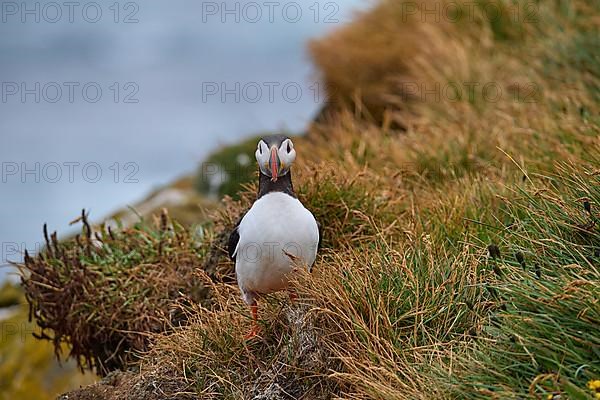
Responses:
[234,238]
[320,228]
[320,235]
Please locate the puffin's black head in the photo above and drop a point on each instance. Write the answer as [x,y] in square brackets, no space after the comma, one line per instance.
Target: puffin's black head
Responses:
[275,155]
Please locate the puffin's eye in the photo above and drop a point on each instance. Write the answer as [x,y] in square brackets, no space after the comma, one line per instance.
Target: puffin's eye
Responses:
[289,148]
[259,149]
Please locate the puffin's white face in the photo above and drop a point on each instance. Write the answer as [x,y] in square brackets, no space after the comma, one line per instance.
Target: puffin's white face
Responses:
[277,160]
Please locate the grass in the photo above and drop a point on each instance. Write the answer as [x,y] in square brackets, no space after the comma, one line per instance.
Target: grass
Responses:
[548,289]
[461,250]
[10,295]
[105,292]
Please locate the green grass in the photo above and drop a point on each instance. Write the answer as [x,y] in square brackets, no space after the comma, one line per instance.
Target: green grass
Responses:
[103,293]
[547,318]
[10,295]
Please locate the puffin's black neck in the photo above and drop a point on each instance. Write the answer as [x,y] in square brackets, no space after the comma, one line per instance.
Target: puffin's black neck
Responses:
[283,184]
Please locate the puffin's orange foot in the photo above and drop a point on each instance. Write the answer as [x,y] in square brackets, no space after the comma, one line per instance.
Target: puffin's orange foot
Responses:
[253,332]
[293,296]
[255,328]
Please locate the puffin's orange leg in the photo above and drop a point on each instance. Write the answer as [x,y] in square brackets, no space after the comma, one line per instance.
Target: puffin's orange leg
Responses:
[292,295]
[255,328]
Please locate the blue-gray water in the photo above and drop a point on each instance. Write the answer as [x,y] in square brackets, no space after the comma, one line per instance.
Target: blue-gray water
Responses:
[139,94]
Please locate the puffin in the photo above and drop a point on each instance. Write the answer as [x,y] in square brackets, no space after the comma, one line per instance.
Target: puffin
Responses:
[277,234]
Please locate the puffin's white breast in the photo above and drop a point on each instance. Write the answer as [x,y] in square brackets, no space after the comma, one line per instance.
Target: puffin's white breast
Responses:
[275,225]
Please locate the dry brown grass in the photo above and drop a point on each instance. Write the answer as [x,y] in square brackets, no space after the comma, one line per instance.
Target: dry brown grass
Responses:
[104,294]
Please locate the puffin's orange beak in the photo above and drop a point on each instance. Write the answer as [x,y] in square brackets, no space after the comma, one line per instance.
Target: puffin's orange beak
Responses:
[274,164]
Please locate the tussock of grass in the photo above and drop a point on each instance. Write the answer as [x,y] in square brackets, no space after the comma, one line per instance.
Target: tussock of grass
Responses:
[211,358]
[105,293]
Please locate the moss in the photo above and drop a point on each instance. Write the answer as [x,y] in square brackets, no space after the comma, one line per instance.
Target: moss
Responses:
[29,369]
[226,170]
[10,295]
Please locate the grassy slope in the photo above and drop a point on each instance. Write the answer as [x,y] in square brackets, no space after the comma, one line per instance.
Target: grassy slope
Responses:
[461,256]
[408,301]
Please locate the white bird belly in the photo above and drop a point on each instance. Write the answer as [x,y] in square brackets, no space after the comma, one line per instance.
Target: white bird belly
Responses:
[275,225]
